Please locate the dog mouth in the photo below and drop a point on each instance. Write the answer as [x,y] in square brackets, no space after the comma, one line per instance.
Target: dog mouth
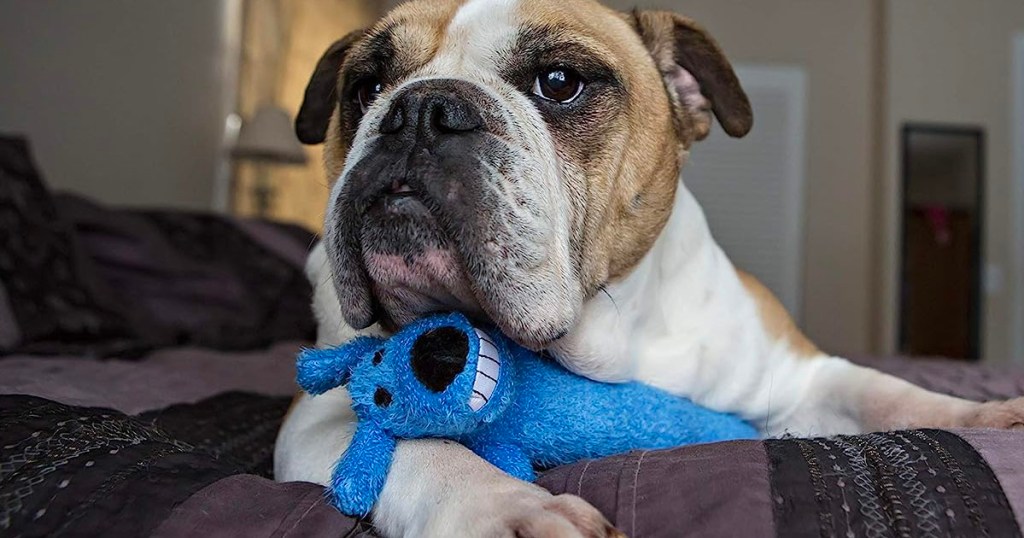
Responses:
[400,188]
[488,367]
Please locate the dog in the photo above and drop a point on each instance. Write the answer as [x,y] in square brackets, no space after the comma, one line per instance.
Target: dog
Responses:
[520,161]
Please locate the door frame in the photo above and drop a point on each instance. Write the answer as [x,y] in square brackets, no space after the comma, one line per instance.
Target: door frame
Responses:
[230,64]
[1017,210]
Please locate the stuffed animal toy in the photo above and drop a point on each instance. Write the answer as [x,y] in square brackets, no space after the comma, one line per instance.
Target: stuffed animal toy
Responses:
[443,377]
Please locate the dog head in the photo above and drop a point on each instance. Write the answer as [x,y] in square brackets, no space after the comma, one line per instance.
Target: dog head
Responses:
[506,158]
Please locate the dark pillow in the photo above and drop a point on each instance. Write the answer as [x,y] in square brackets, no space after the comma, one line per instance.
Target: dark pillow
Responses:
[81,278]
[10,334]
[194,278]
[48,284]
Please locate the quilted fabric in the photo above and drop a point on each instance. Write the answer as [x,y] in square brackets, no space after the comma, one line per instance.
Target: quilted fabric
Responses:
[912,483]
[73,471]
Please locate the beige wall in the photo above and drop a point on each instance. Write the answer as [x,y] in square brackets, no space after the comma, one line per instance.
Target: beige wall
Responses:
[122,101]
[833,41]
[949,62]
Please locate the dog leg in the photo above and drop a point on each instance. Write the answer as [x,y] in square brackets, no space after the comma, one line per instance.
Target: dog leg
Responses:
[434,487]
[847,398]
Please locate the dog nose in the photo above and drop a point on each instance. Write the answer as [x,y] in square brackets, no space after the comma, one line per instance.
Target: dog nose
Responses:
[432,108]
[439,355]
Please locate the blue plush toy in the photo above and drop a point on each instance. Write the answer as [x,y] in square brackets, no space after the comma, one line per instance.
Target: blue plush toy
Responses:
[442,377]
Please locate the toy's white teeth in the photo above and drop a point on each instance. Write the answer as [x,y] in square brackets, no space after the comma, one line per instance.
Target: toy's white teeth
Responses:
[488,365]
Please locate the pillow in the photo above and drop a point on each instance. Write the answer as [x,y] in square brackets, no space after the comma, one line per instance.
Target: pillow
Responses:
[9,333]
[195,278]
[52,299]
[81,278]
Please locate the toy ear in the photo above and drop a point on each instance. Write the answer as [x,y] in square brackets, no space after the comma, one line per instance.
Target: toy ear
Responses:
[320,370]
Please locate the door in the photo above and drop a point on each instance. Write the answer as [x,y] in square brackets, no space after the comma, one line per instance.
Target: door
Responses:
[940,296]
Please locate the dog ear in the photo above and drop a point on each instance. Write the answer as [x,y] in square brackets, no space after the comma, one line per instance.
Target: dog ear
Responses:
[321,92]
[696,73]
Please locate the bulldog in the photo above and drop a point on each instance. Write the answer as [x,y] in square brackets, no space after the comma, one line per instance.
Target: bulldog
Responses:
[519,161]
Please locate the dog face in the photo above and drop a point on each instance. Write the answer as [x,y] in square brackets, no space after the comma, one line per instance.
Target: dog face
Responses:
[506,158]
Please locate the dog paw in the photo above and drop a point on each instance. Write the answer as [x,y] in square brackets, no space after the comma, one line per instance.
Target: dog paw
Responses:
[522,510]
[562,515]
[441,489]
[1005,415]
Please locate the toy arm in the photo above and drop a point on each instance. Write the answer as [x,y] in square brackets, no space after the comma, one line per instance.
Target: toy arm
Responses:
[320,370]
[359,476]
[509,458]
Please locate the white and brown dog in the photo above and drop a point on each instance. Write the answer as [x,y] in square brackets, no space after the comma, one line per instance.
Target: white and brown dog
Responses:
[519,160]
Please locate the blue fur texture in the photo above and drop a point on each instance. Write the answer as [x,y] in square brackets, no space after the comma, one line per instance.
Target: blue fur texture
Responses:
[537,414]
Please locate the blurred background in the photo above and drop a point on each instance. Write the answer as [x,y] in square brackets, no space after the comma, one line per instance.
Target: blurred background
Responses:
[880,195]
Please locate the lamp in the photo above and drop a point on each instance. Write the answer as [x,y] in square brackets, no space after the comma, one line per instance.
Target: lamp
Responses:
[266,139]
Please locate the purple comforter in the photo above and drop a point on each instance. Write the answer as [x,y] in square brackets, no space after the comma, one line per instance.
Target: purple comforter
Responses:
[919,483]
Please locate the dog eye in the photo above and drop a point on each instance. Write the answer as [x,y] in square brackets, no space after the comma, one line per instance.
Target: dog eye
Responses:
[367,91]
[562,85]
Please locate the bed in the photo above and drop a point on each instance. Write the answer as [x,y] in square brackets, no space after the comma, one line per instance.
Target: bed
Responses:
[146,362]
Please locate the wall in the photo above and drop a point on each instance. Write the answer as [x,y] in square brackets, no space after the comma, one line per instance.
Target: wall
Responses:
[948,61]
[123,100]
[833,41]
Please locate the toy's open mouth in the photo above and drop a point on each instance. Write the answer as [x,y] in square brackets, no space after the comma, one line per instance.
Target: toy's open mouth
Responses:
[488,365]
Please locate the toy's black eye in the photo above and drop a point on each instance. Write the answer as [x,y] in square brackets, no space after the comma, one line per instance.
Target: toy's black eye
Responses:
[377,357]
[367,92]
[562,85]
[382,397]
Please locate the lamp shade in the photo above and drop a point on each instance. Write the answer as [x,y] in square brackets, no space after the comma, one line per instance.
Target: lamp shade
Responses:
[268,136]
